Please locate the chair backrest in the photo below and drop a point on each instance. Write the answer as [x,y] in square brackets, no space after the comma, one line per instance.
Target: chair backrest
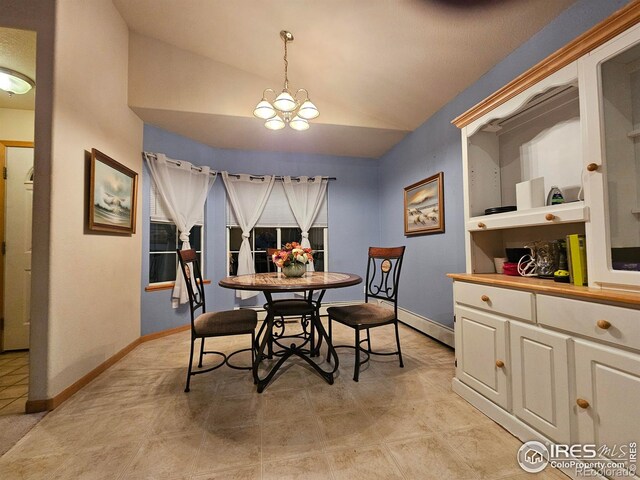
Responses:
[191,266]
[383,273]
[271,267]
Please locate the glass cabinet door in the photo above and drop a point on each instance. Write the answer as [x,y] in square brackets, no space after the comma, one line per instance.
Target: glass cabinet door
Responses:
[620,113]
[610,76]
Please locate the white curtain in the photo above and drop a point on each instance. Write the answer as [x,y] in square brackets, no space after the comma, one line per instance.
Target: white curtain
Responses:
[248,197]
[184,191]
[305,198]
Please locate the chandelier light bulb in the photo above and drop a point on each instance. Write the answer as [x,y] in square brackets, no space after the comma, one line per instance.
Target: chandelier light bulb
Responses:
[308,110]
[275,123]
[15,82]
[285,102]
[299,124]
[264,110]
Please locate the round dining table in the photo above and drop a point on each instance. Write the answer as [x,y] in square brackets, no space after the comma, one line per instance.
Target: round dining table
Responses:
[276,282]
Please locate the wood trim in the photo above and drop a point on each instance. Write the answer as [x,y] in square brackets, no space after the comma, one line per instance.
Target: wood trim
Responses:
[4,144]
[49,404]
[604,31]
[16,143]
[166,286]
[539,285]
[164,333]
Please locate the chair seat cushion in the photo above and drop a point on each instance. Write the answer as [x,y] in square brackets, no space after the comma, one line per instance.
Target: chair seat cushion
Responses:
[290,307]
[227,322]
[364,314]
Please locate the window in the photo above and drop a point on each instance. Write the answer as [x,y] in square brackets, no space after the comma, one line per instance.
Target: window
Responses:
[277,226]
[263,238]
[164,239]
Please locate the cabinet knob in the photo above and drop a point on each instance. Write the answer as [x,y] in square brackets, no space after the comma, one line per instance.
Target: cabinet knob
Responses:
[481,225]
[592,167]
[484,298]
[499,363]
[582,403]
[603,324]
[550,216]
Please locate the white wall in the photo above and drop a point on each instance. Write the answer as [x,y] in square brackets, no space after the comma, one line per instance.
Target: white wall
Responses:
[17,124]
[94,308]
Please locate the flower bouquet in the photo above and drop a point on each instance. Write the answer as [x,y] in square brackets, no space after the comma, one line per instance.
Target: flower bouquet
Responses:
[293,259]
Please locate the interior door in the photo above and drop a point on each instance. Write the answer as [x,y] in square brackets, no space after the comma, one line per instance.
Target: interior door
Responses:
[17,259]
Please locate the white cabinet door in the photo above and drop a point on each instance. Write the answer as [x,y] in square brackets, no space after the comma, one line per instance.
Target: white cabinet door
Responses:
[481,354]
[608,380]
[540,379]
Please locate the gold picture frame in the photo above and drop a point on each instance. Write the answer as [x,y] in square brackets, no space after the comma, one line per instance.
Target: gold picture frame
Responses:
[424,206]
[112,195]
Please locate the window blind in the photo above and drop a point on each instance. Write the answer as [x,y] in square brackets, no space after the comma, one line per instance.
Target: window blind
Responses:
[158,212]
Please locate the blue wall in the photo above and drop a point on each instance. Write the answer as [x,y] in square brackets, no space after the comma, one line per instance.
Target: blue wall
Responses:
[358,209]
[436,146]
[353,217]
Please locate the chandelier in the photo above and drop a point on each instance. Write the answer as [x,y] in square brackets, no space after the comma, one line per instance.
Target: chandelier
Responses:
[286,108]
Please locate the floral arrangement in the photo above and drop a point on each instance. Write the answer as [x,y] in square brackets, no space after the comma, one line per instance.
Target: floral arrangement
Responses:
[292,253]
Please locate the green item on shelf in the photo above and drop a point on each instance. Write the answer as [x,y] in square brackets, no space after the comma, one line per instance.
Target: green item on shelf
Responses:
[561,276]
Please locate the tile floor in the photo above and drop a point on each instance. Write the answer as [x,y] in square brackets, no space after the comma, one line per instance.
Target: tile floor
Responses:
[135,422]
[14,382]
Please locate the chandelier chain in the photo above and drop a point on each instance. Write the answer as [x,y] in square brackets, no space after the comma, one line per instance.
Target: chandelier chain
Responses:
[286,66]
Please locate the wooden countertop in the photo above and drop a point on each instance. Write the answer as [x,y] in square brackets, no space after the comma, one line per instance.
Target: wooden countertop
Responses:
[550,287]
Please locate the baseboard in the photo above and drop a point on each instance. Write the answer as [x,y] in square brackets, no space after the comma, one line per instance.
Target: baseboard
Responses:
[163,333]
[49,404]
[425,325]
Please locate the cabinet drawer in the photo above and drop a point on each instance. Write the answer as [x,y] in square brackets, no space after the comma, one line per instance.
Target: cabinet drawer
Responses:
[617,325]
[493,299]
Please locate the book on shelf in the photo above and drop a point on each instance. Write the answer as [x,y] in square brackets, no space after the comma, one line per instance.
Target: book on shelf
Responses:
[577,259]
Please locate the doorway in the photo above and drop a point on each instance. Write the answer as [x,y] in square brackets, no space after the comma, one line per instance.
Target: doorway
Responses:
[17,134]
[16,207]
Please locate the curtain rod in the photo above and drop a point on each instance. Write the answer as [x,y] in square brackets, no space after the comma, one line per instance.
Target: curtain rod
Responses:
[236,175]
[176,162]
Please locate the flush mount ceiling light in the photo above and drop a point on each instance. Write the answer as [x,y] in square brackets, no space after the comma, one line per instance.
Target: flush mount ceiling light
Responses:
[15,82]
[286,109]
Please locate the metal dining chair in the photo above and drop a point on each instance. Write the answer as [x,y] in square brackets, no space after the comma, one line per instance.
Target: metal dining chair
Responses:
[299,308]
[383,274]
[212,324]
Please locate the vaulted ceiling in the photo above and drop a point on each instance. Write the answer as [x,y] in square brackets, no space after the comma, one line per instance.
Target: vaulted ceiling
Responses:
[376,69]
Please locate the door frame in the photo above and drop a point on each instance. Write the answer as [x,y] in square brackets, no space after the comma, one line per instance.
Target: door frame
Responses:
[4,144]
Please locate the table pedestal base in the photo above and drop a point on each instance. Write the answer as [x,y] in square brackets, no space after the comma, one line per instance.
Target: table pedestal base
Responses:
[293,349]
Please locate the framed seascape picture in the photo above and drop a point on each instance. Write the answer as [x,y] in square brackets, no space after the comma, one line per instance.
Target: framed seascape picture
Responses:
[112,195]
[424,206]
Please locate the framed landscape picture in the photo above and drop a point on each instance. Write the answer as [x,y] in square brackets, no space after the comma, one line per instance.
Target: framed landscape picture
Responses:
[424,206]
[112,195]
